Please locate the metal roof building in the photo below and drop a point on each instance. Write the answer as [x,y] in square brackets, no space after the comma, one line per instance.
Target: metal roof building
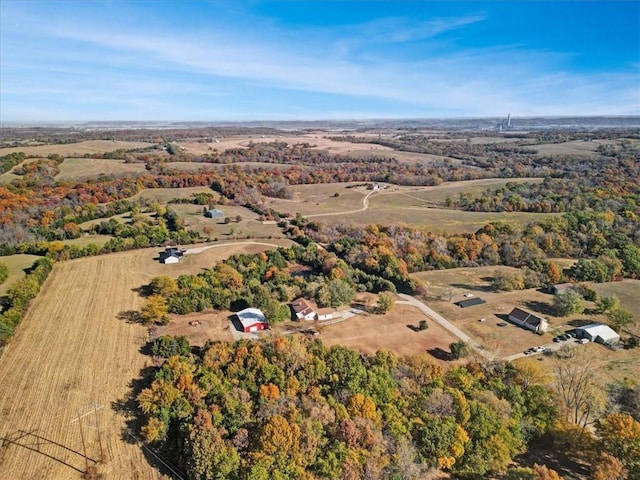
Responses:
[598,332]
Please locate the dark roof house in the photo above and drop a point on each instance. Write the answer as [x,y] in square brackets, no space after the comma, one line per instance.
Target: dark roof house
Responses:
[470,302]
[171,255]
[528,320]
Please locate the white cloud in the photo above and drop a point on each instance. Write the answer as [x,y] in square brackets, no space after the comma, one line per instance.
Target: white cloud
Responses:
[147,62]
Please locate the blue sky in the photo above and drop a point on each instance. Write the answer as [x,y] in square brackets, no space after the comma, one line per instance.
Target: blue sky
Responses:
[303,60]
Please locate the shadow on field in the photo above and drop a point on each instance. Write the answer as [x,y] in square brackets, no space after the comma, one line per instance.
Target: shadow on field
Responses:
[540,307]
[440,354]
[473,287]
[130,316]
[34,442]
[134,421]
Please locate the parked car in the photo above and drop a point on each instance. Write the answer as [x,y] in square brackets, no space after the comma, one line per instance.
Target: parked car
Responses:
[583,340]
[538,349]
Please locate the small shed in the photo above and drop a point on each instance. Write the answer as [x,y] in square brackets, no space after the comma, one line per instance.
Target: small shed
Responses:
[528,320]
[214,213]
[470,302]
[598,332]
[252,320]
[561,288]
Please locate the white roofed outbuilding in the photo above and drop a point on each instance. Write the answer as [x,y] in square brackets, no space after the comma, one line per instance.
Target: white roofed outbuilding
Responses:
[598,332]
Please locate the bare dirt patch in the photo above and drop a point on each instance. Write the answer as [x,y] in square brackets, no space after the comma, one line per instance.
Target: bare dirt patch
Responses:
[199,327]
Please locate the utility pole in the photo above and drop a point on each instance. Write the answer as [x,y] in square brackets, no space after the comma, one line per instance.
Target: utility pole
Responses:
[93,410]
[84,446]
[102,458]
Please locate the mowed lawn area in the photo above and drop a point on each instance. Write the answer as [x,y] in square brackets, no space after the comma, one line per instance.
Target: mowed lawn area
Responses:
[16,264]
[395,331]
[249,225]
[446,287]
[72,351]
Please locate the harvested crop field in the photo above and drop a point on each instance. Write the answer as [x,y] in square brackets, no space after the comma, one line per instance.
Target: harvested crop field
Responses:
[79,149]
[72,352]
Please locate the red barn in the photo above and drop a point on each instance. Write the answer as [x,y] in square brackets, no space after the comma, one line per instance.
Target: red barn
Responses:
[252,320]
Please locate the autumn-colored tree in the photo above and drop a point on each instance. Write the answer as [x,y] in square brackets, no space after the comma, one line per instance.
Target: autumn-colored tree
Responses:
[619,436]
[554,272]
[210,457]
[386,301]
[163,285]
[154,430]
[542,472]
[531,372]
[155,310]
[608,467]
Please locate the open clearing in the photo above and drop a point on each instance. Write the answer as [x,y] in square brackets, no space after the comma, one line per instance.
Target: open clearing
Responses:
[574,147]
[85,168]
[627,291]
[316,140]
[16,265]
[392,331]
[249,226]
[77,149]
[511,339]
[70,351]
[164,195]
[409,205]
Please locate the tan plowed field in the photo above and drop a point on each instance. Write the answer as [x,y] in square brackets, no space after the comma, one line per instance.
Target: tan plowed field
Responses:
[71,351]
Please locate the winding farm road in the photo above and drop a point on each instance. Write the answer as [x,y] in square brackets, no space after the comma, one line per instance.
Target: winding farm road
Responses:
[365,205]
[435,316]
